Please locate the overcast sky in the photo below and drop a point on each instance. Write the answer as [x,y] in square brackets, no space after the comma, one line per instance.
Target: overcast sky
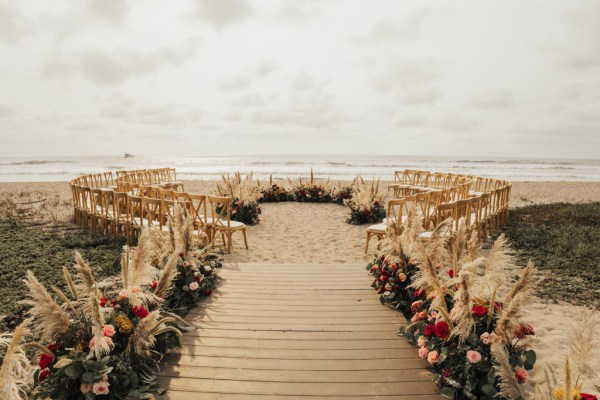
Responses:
[504,78]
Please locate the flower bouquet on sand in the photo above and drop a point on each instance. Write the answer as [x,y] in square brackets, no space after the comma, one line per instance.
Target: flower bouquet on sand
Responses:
[245,194]
[275,193]
[477,346]
[101,344]
[365,204]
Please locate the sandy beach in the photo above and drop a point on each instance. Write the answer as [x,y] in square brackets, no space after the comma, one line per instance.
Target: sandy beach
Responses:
[317,234]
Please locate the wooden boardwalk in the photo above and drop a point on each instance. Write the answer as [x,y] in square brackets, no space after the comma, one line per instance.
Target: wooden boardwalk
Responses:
[295,332]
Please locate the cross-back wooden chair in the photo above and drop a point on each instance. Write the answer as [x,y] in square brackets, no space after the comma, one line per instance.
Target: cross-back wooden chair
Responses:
[135,216]
[154,213]
[121,219]
[396,214]
[220,209]
[108,212]
[96,208]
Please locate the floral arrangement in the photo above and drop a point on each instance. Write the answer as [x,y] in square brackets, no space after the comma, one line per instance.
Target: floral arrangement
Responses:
[102,340]
[245,196]
[341,193]
[365,203]
[477,346]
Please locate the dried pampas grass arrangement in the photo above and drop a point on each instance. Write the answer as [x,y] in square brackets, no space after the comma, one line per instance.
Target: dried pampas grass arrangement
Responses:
[50,320]
[16,373]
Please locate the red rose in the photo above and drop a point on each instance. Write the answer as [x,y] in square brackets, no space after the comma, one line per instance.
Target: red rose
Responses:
[479,311]
[585,396]
[429,329]
[140,311]
[182,254]
[53,347]
[153,285]
[524,330]
[384,278]
[418,293]
[442,329]
[103,302]
[208,292]
[451,273]
[43,375]
[45,361]
[447,373]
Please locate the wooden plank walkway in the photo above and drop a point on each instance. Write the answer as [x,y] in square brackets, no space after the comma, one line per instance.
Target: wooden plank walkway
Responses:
[295,332]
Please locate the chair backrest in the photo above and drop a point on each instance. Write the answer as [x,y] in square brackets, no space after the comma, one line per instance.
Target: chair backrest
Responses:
[149,191]
[108,205]
[395,212]
[135,210]
[198,209]
[165,194]
[153,212]
[120,206]
[220,210]
[108,179]
[96,200]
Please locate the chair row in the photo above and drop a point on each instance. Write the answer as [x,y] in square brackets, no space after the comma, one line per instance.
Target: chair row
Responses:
[483,211]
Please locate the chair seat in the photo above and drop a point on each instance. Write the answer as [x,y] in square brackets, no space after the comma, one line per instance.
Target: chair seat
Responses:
[426,235]
[223,224]
[377,228]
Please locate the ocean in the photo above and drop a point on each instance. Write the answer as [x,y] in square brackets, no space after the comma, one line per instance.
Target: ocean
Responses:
[291,166]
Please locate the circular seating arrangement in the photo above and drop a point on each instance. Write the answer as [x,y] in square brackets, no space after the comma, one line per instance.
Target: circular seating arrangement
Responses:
[123,203]
[436,196]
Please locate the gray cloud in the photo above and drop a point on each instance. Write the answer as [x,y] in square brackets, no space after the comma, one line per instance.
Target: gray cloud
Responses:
[12,24]
[113,67]
[391,30]
[6,111]
[419,94]
[493,99]
[133,111]
[111,11]
[224,13]
[245,79]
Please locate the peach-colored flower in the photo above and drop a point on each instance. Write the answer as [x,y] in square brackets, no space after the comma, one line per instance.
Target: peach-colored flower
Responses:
[136,289]
[433,357]
[123,294]
[419,316]
[492,337]
[100,388]
[85,388]
[473,356]
[421,341]
[423,352]
[108,330]
[432,316]
[485,338]
[521,375]
[402,276]
[186,264]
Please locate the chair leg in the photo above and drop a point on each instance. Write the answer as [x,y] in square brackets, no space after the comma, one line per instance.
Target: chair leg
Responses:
[245,240]
[229,233]
[223,238]
[367,243]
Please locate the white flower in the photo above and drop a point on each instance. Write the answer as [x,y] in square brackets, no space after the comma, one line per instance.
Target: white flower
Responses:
[194,286]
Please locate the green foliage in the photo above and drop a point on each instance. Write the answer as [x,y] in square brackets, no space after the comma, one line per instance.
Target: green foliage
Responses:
[564,240]
[45,252]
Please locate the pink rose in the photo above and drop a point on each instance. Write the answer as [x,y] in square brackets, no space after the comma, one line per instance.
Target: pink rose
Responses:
[521,375]
[433,357]
[402,276]
[419,316]
[421,341]
[194,286]
[85,388]
[108,330]
[100,388]
[473,356]
[423,352]
[186,264]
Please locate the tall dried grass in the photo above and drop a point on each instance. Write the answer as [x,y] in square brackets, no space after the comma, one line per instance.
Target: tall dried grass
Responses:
[16,371]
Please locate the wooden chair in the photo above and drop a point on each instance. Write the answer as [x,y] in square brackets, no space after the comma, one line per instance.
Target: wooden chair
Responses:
[135,216]
[396,215]
[220,208]
[121,219]
[108,212]
[96,208]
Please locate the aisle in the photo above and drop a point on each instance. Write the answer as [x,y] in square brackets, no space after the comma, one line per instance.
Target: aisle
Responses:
[291,332]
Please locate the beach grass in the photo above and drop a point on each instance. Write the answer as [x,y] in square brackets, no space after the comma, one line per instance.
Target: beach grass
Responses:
[45,251]
[563,240]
